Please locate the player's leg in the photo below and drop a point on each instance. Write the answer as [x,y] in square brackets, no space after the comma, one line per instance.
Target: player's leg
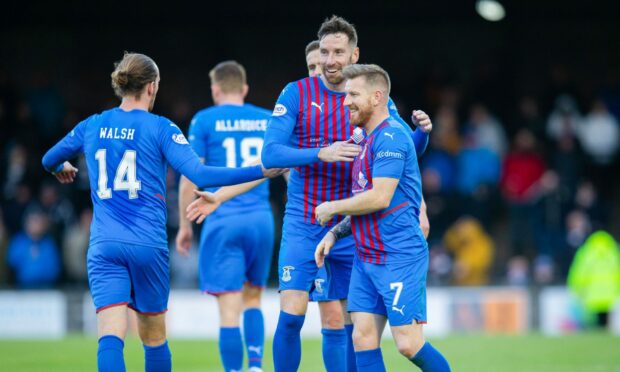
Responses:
[367,341]
[230,341]
[149,271]
[110,287]
[338,276]
[410,343]
[297,271]
[253,326]
[111,330]
[334,343]
[368,315]
[403,288]
[258,251]
[222,273]
[152,331]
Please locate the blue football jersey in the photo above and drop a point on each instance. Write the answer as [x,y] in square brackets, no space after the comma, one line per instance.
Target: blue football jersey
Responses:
[306,117]
[393,233]
[127,153]
[232,136]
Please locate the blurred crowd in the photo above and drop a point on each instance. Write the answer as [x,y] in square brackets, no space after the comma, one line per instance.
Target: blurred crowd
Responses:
[511,195]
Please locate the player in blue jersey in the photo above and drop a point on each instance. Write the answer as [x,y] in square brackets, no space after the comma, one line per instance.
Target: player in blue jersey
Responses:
[127,149]
[235,253]
[308,131]
[389,272]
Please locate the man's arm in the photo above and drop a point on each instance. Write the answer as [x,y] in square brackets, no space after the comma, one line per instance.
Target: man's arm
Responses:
[185,233]
[55,159]
[341,230]
[421,120]
[375,199]
[277,151]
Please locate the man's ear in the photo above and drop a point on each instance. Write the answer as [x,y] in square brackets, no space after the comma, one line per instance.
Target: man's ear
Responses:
[245,90]
[355,56]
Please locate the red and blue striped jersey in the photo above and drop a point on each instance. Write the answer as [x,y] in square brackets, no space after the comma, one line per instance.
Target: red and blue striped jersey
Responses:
[392,233]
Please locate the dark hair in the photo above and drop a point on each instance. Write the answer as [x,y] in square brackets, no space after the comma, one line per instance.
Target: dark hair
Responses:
[229,75]
[312,46]
[372,73]
[132,73]
[336,25]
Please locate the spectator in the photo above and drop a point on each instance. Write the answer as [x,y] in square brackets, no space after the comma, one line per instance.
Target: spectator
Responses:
[529,117]
[486,130]
[75,245]
[600,135]
[473,250]
[13,209]
[58,209]
[594,276]
[522,171]
[565,118]
[33,255]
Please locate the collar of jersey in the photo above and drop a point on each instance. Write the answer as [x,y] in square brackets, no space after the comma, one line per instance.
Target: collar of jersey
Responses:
[322,84]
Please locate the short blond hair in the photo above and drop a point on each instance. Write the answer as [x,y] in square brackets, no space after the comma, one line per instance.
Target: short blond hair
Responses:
[229,75]
[373,74]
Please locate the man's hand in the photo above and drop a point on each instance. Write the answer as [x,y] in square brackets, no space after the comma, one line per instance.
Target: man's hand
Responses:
[273,172]
[422,120]
[323,248]
[425,225]
[184,240]
[324,213]
[202,207]
[67,174]
[339,151]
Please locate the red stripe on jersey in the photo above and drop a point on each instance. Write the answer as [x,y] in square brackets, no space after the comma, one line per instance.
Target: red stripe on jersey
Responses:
[375,226]
[371,240]
[332,190]
[344,166]
[325,166]
[399,206]
[306,168]
[315,178]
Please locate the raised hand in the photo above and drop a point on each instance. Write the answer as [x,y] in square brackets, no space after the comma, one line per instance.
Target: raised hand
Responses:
[422,120]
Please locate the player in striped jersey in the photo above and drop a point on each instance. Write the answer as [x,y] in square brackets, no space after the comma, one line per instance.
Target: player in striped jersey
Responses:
[388,280]
[308,132]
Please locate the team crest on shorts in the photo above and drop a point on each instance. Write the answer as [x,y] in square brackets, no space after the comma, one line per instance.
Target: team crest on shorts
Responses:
[318,285]
[286,273]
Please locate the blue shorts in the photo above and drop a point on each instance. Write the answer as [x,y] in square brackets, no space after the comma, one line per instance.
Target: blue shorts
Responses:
[235,250]
[394,289]
[129,274]
[297,268]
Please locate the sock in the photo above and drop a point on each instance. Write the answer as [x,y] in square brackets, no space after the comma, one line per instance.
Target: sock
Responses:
[429,359]
[351,365]
[287,342]
[254,332]
[157,358]
[110,354]
[370,360]
[334,349]
[231,348]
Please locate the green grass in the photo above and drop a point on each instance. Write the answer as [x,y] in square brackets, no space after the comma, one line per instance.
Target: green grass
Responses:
[585,352]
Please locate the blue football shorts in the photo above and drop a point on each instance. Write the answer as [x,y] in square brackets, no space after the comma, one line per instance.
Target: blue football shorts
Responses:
[297,268]
[129,274]
[235,250]
[396,290]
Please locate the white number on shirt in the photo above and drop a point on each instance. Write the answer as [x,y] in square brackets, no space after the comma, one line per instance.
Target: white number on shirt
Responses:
[125,178]
[250,151]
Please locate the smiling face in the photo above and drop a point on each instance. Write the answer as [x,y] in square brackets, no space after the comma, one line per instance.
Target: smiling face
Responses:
[359,100]
[336,52]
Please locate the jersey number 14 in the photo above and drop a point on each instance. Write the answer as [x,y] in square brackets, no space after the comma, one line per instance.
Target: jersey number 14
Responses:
[125,178]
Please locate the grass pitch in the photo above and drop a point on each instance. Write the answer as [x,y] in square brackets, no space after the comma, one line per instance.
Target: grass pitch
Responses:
[584,352]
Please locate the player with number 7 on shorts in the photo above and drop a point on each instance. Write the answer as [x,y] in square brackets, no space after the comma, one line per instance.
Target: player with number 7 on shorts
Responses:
[388,279]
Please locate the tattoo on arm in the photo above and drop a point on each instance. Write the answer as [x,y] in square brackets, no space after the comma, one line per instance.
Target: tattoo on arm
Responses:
[343,229]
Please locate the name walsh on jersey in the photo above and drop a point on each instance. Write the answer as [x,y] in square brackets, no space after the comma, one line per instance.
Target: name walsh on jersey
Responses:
[116,133]
[241,125]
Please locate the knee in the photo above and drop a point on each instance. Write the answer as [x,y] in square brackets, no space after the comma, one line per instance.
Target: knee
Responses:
[363,340]
[409,347]
[153,338]
[294,302]
[332,317]
[251,296]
